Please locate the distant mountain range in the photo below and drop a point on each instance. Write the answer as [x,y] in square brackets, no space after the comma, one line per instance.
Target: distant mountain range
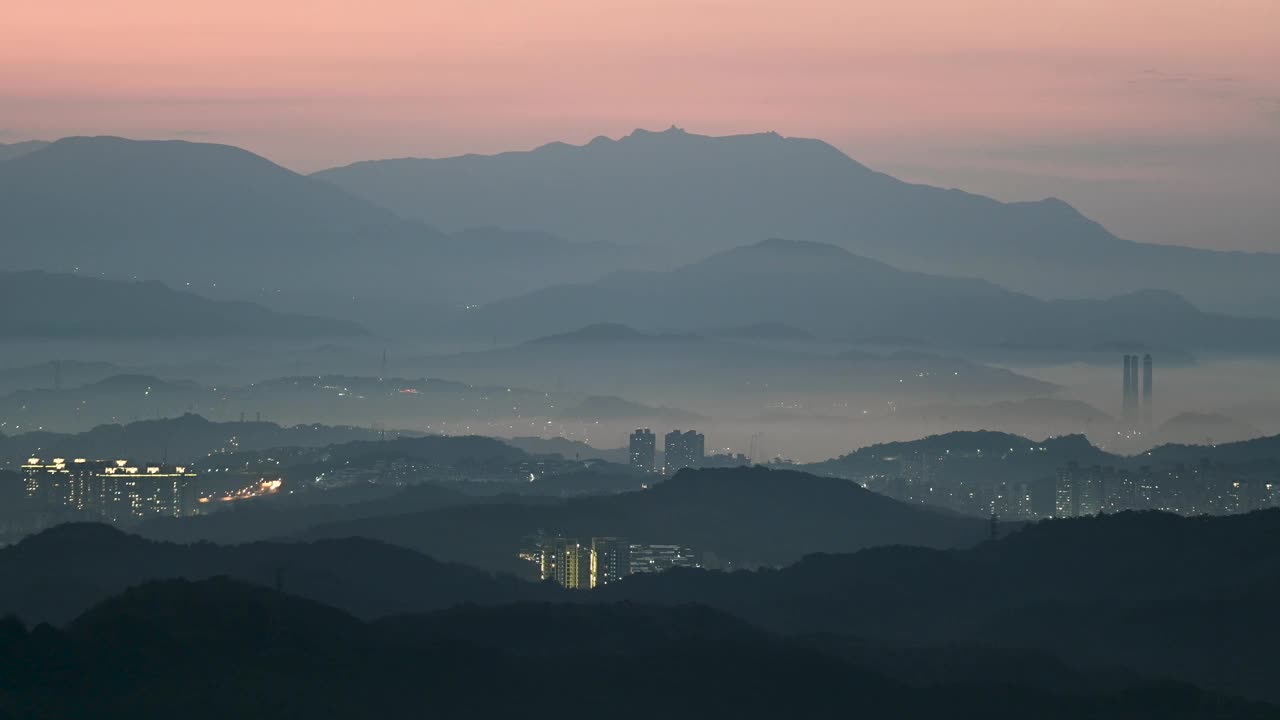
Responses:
[423,403]
[50,305]
[187,437]
[61,373]
[827,291]
[1205,428]
[234,224]
[683,194]
[991,456]
[8,151]
[675,369]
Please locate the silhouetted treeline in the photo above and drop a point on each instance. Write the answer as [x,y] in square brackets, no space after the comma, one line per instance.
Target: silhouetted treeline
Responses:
[56,575]
[743,516]
[219,648]
[1190,598]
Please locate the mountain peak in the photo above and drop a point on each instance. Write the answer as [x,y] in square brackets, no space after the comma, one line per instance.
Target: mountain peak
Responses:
[804,247]
[143,149]
[672,132]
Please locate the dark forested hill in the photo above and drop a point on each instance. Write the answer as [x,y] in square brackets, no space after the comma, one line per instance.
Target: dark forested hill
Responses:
[56,575]
[749,516]
[219,648]
[1164,595]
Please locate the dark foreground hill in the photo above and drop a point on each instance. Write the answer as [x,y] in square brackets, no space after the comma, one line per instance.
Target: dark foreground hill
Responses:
[741,516]
[1190,598]
[56,575]
[218,649]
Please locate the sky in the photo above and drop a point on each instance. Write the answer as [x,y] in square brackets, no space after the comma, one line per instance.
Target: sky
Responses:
[1159,119]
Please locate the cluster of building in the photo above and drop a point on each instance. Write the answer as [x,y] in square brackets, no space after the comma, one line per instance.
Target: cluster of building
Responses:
[1076,489]
[115,490]
[679,449]
[581,566]
[1198,490]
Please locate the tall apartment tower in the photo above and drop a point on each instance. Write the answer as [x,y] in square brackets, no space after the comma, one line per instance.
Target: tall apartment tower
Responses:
[610,560]
[1065,502]
[567,562]
[644,448]
[1146,390]
[684,449]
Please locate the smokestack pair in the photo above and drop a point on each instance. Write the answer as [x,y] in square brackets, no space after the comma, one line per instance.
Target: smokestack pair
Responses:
[1131,404]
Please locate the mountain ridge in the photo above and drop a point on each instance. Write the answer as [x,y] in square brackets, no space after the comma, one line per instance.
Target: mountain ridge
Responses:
[832,292]
[651,188]
[43,304]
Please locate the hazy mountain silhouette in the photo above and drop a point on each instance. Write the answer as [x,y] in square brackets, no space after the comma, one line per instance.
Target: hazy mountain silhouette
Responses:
[184,436]
[1256,450]
[745,515]
[774,331]
[334,400]
[569,449]
[220,217]
[602,407]
[674,369]
[57,574]
[50,305]
[675,189]
[1049,416]
[982,454]
[8,151]
[68,373]
[833,293]
[1204,428]
[222,648]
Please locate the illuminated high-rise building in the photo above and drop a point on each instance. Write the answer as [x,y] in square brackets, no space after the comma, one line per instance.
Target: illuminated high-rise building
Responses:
[644,450]
[610,560]
[1090,497]
[1021,503]
[683,449]
[1065,503]
[1079,491]
[116,490]
[567,562]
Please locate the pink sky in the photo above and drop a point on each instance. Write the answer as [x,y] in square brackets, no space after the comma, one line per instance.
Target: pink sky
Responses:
[1165,101]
